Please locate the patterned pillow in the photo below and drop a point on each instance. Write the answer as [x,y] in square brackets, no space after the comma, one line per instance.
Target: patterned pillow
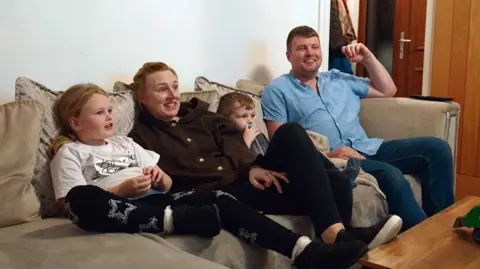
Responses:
[203,84]
[26,89]
[120,86]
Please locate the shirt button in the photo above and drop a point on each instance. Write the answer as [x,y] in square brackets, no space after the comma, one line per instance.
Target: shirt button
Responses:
[189,140]
[220,168]
[201,160]
[174,124]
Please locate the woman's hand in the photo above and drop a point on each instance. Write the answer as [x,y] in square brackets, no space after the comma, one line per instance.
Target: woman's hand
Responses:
[261,178]
[132,187]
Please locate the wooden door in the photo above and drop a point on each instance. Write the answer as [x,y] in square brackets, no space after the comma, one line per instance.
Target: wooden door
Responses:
[455,72]
[395,32]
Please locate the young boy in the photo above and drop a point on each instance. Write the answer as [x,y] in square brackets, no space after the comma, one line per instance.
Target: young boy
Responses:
[240,109]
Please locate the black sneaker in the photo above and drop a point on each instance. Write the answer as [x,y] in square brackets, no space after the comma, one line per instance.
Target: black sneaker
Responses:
[330,256]
[201,220]
[378,234]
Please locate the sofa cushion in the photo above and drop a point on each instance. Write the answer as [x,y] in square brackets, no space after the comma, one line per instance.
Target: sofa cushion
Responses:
[209,96]
[57,244]
[26,89]
[203,84]
[19,135]
[250,86]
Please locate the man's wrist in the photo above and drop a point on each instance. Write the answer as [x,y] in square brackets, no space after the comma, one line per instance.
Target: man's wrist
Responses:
[368,60]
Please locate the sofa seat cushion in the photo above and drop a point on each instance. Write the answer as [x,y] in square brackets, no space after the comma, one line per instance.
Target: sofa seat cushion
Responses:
[235,253]
[416,188]
[57,244]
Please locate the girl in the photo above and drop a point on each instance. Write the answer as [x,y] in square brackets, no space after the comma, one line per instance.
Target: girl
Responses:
[109,183]
[89,160]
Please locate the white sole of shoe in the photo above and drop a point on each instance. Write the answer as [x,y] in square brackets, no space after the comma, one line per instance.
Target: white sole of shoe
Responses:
[388,232]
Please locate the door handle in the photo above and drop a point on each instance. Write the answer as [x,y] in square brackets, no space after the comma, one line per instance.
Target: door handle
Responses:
[402,41]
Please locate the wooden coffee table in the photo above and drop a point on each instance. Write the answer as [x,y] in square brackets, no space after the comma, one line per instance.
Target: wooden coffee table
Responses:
[431,244]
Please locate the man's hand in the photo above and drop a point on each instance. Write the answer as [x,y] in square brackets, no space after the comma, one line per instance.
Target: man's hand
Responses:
[261,178]
[345,153]
[356,53]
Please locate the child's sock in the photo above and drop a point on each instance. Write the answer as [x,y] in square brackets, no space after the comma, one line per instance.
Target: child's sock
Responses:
[302,242]
[168,220]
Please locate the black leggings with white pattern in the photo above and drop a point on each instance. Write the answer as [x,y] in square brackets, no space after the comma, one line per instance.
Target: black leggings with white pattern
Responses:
[94,209]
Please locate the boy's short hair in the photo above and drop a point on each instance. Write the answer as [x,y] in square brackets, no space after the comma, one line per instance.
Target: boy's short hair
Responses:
[233,100]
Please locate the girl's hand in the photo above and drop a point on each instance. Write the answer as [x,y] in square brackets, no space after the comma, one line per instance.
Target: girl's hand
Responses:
[155,173]
[132,187]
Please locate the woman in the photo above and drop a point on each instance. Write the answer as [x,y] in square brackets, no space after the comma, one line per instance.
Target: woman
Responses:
[204,151]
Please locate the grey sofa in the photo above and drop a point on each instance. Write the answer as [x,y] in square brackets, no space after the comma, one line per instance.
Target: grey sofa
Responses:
[27,241]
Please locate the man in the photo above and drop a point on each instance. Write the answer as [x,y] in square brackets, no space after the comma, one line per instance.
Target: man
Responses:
[329,103]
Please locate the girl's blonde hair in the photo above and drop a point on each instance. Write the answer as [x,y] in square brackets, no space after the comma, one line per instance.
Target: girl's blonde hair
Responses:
[70,105]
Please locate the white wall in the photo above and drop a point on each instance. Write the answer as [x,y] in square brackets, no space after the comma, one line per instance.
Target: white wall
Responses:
[427,58]
[62,42]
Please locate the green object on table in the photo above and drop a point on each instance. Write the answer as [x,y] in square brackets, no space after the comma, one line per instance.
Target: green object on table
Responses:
[470,220]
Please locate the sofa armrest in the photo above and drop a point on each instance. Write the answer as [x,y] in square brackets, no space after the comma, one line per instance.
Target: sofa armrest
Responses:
[396,118]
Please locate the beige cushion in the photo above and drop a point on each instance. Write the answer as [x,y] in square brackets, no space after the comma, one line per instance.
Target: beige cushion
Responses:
[19,135]
[250,86]
[203,84]
[26,89]
[57,244]
[209,96]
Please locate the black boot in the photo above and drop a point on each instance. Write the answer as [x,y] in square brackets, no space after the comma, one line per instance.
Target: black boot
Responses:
[342,255]
[201,220]
[378,234]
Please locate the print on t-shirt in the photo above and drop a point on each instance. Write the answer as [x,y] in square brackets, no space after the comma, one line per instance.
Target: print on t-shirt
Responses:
[103,166]
[107,167]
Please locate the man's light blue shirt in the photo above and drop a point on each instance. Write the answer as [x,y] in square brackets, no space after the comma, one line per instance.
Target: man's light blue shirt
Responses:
[333,113]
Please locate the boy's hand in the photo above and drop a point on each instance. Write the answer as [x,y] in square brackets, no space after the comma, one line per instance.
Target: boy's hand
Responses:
[249,134]
[156,175]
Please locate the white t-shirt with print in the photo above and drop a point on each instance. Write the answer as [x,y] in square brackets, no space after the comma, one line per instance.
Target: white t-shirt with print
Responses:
[103,166]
